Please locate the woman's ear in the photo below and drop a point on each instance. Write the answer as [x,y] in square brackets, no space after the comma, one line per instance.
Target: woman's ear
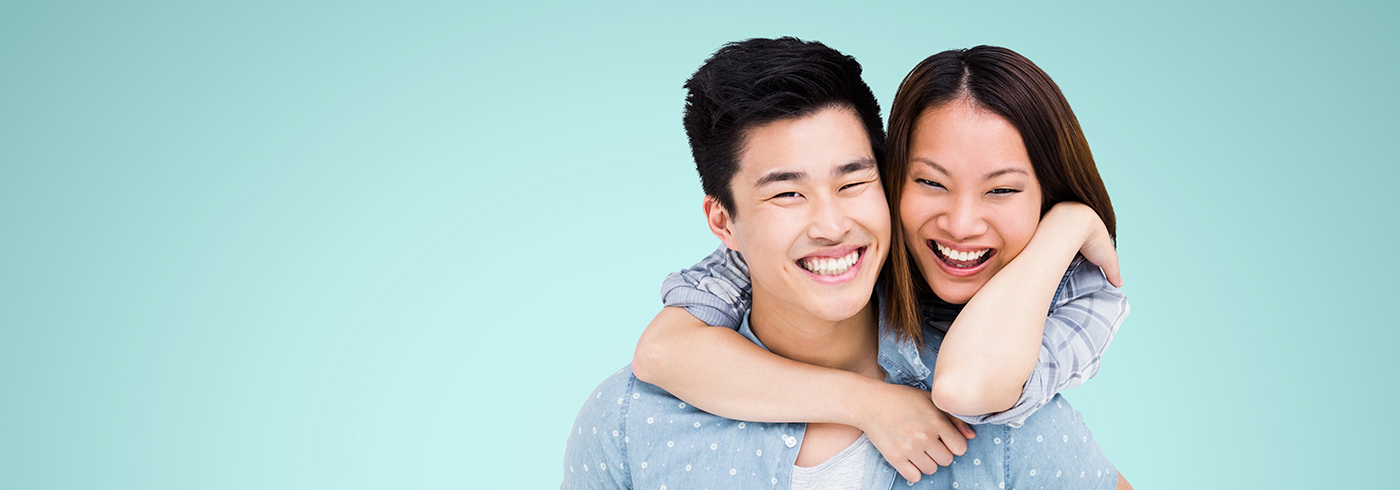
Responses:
[721,222]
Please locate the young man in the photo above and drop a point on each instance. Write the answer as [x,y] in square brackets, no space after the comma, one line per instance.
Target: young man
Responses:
[787,141]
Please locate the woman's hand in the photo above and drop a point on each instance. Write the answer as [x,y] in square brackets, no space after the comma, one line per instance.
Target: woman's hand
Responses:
[912,434]
[1094,242]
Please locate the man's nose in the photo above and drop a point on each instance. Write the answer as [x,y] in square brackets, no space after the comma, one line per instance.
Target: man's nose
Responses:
[829,221]
[964,220]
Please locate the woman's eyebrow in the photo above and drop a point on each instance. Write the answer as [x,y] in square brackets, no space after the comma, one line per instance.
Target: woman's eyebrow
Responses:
[991,175]
[931,164]
[1004,171]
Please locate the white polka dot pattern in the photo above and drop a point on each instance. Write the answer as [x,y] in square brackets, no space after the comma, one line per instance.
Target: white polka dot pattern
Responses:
[678,440]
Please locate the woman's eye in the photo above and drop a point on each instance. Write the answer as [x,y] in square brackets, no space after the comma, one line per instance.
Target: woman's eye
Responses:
[1003,191]
[929,183]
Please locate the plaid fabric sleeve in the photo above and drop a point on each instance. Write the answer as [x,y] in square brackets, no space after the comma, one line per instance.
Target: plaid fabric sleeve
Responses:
[716,290]
[1084,316]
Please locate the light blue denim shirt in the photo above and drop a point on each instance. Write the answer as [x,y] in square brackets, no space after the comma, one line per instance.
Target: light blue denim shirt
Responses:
[634,435]
[1084,315]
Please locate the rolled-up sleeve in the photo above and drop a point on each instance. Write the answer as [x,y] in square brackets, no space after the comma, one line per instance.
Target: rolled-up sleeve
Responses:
[1083,319]
[716,290]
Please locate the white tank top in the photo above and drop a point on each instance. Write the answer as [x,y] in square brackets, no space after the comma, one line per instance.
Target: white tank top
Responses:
[844,471]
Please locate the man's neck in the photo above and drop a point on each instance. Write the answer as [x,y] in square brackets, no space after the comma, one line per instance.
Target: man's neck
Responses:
[790,331]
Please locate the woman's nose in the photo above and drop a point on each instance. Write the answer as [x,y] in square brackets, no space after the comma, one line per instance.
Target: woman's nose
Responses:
[964,220]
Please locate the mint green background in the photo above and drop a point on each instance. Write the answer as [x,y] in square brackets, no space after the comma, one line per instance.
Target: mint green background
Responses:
[318,245]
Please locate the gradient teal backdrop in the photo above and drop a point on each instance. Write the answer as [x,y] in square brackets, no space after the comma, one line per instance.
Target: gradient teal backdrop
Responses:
[331,245]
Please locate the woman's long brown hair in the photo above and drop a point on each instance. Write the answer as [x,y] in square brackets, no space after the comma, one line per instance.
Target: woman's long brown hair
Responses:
[1007,84]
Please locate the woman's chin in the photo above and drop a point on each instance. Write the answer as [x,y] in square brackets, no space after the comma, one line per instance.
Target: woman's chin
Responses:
[956,297]
[957,292]
[956,284]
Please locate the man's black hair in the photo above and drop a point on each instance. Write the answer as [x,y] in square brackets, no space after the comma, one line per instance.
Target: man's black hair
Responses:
[754,82]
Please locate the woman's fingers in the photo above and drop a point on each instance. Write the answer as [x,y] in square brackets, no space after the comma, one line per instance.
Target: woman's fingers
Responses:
[1100,251]
[935,452]
[927,464]
[1098,248]
[907,470]
[964,429]
[913,434]
[1114,276]
[940,454]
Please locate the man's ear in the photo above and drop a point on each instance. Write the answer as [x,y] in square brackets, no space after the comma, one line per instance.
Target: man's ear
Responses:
[721,222]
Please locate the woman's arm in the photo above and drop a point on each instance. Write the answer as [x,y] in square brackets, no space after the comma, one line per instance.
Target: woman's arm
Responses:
[996,343]
[721,372]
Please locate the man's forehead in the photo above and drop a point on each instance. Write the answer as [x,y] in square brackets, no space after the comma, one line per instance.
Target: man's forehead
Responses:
[831,142]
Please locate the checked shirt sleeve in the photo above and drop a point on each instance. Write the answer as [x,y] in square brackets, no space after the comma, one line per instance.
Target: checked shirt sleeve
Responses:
[716,290]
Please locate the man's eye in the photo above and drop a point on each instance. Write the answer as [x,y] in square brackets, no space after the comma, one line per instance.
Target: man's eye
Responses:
[853,184]
[787,194]
[1003,191]
[929,183]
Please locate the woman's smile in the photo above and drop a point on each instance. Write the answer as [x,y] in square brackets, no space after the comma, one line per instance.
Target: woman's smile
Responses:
[960,261]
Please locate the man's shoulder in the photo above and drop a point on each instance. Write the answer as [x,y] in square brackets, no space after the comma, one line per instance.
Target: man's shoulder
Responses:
[617,396]
[595,453]
[622,404]
[1054,444]
[632,433]
[613,389]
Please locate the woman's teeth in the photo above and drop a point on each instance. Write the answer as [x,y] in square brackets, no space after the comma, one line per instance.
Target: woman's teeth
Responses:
[960,256]
[830,267]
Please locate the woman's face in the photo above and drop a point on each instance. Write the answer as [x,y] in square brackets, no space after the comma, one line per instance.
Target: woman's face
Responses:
[971,202]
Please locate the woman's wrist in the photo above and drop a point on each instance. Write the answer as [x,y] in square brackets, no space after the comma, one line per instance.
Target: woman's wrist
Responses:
[1077,228]
[1069,225]
[859,401]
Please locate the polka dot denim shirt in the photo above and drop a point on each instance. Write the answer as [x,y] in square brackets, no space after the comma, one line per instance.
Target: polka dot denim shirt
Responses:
[633,435]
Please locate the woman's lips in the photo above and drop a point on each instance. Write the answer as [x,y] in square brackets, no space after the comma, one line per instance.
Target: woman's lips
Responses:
[960,263]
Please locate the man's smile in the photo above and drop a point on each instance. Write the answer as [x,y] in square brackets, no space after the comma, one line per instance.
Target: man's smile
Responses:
[835,265]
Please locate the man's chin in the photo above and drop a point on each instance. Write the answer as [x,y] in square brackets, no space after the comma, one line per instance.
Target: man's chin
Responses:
[837,309]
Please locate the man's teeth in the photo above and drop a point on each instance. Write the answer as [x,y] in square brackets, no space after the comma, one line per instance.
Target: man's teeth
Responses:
[964,256]
[831,267]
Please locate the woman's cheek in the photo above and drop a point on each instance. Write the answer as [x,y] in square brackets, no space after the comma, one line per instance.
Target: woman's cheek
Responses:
[1020,231]
[910,219]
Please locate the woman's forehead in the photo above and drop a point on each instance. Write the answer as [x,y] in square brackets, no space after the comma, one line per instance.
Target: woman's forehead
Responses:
[967,142]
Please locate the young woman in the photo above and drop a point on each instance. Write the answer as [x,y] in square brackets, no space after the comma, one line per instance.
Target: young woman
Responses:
[997,198]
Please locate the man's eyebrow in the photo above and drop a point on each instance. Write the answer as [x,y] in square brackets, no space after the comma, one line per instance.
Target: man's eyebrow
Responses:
[853,167]
[780,176]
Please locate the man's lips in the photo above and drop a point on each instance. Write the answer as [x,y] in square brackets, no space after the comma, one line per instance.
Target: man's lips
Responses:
[829,268]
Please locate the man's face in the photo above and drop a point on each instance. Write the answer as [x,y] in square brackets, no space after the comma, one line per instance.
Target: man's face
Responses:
[812,221]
